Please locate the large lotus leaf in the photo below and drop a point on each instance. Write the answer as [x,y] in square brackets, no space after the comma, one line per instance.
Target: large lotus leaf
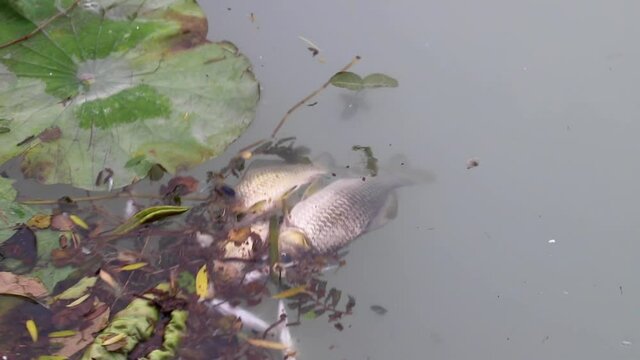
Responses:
[12,213]
[119,85]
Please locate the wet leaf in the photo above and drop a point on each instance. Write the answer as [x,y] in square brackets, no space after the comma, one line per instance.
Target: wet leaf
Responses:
[52,357]
[118,72]
[134,266]
[379,80]
[78,221]
[78,290]
[97,320]
[290,292]
[108,278]
[113,339]
[22,246]
[39,221]
[267,344]
[202,282]
[32,328]
[148,215]
[18,285]
[62,333]
[347,80]
[78,301]
[173,334]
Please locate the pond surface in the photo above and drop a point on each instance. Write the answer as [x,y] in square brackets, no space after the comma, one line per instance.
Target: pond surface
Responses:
[525,244]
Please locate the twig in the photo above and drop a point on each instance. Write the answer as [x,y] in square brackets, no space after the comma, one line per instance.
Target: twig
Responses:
[40,27]
[107,196]
[310,96]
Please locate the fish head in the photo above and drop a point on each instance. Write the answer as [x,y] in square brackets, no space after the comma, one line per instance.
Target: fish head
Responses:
[292,244]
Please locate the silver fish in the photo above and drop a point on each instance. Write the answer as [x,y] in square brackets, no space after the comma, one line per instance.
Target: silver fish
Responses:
[263,187]
[339,213]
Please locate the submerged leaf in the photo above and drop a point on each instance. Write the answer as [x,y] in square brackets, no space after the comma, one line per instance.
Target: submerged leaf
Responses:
[39,221]
[117,72]
[372,161]
[173,334]
[78,290]
[347,80]
[18,285]
[96,322]
[134,266]
[379,80]
[62,333]
[78,301]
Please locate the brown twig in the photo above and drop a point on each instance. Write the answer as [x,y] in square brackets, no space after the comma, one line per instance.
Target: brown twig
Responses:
[310,96]
[40,27]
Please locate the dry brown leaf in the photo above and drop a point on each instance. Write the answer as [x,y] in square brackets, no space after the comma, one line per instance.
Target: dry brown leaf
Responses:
[106,277]
[73,344]
[19,285]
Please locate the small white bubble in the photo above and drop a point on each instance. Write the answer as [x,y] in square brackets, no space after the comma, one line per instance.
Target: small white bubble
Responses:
[565,292]
[50,74]
[137,27]
[626,343]
[552,241]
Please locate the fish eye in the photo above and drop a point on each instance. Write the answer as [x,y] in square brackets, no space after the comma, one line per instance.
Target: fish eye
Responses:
[286,257]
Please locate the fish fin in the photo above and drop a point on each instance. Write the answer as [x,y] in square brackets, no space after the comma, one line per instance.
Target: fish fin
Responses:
[256,208]
[388,212]
[324,161]
[289,192]
[312,188]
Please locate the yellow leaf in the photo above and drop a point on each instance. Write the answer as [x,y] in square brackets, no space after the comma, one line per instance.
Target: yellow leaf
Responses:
[62,333]
[106,277]
[202,282]
[32,328]
[290,292]
[134,266]
[148,215]
[114,339]
[39,221]
[78,221]
[267,344]
[79,300]
[52,357]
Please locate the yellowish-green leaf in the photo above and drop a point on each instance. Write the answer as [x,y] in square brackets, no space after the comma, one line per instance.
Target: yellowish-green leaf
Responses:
[347,80]
[62,334]
[39,221]
[148,215]
[78,221]
[114,339]
[79,300]
[202,282]
[290,292]
[134,266]
[78,290]
[32,328]
[52,357]
[377,80]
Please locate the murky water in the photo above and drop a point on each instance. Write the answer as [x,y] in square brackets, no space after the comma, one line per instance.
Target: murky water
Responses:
[530,255]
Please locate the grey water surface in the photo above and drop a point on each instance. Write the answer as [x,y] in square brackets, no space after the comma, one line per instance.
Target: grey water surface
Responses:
[534,254]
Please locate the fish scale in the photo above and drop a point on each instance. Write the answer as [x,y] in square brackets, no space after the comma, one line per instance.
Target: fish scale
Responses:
[341,212]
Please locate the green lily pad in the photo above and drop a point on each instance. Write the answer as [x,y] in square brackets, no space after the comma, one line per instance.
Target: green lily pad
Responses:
[12,213]
[125,84]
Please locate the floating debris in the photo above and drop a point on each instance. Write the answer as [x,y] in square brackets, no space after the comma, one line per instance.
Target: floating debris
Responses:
[380,310]
[471,163]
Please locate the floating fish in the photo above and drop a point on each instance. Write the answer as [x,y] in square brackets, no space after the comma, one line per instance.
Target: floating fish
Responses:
[262,188]
[339,213]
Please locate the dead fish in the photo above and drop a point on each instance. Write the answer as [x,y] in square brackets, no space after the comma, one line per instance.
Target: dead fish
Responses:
[334,216]
[262,188]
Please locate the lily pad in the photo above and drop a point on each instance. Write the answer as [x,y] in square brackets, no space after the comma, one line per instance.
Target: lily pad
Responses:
[125,84]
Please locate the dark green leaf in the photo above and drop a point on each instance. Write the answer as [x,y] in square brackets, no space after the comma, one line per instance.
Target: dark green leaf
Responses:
[347,80]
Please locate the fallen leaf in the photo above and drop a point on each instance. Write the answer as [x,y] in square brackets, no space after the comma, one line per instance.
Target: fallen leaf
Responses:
[134,266]
[114,339]
[32,328]
[148,215]
[78,221]
[52,357]
[77,290]
[22,245]
[19,285]
[106,277]
[290,292]
[62,334]
[267,344]
[82,338]
[39,221]
[79,300]
[202,282]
